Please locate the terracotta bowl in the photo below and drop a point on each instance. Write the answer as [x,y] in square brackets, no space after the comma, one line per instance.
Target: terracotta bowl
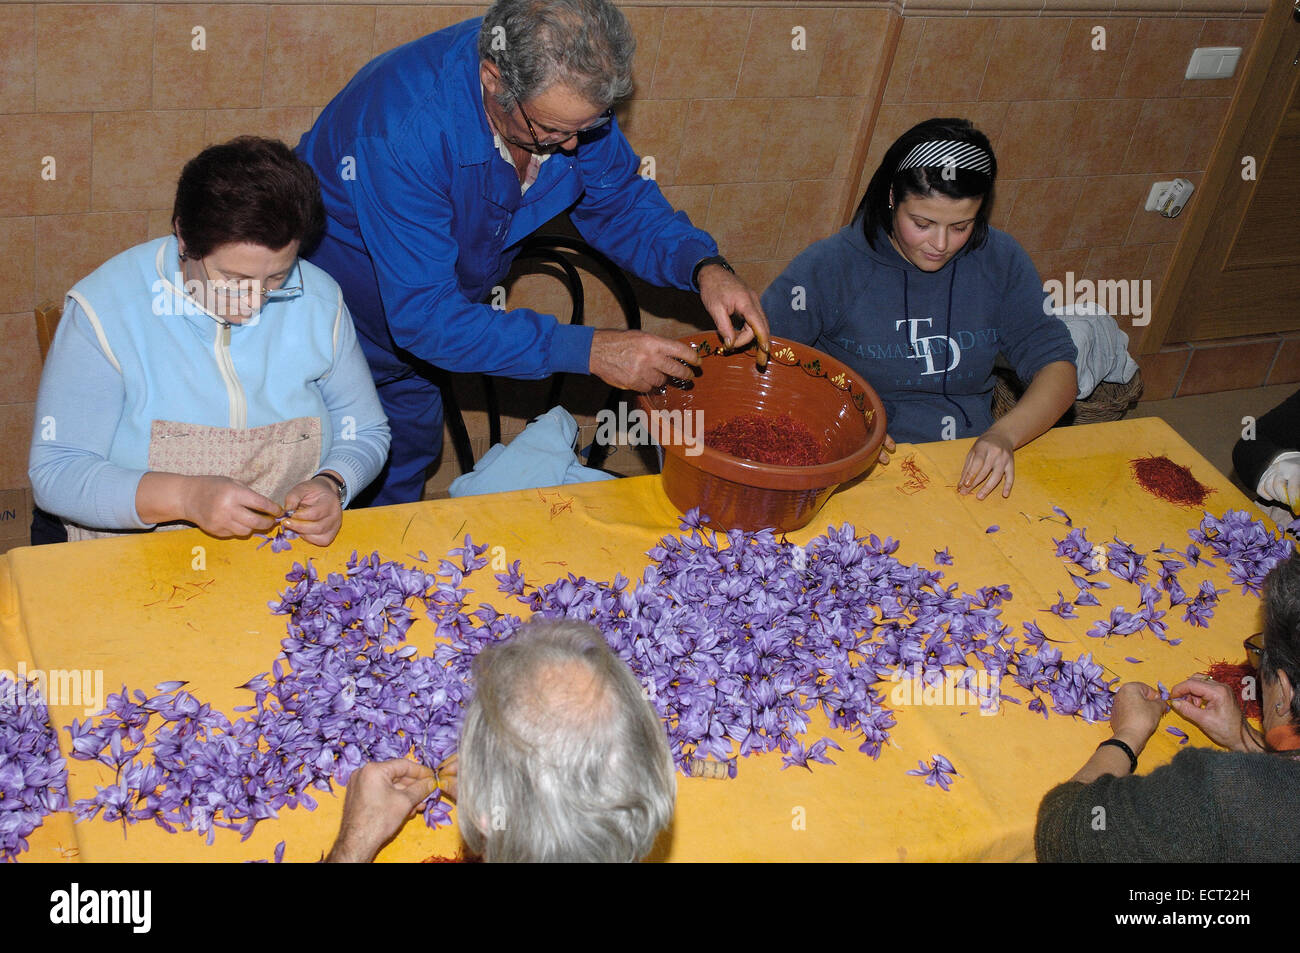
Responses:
[841,410]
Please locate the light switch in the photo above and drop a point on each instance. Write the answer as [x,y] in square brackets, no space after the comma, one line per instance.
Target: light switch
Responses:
[1213,62]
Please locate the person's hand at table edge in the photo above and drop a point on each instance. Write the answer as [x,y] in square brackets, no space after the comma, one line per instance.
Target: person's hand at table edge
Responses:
[219,506]
[381,797]
[639,361]
[724,294]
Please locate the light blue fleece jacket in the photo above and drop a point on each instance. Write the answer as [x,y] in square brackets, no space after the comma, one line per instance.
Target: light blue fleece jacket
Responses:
[132,348]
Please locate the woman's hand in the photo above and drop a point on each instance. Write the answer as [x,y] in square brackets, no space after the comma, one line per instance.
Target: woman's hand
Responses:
[222,507]
[991,461]
[886,449]
[1135,714]
[317,514]
[1211,706]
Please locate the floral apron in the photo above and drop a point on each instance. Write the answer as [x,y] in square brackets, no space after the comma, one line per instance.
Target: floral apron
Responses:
[270,460]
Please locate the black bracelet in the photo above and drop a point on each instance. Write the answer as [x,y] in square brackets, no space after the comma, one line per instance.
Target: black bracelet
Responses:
[340,487]
[704,263]
[1132,758]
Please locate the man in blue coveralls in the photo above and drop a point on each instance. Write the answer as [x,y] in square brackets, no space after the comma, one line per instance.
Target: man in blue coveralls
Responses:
[440,157]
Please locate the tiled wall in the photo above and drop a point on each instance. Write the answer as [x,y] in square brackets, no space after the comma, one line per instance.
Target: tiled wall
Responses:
[763,144]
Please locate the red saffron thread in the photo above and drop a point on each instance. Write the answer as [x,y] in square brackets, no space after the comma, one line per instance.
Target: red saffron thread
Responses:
[1233,676]
[917,479]
[1161,477]
[780,440]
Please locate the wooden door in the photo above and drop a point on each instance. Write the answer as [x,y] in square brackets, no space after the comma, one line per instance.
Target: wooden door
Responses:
[1236,270]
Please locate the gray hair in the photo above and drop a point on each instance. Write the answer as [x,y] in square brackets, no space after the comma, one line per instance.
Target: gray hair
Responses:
[555,766]
[586,45]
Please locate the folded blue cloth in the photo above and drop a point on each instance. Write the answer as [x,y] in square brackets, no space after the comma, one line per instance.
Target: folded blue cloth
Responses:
[540,456]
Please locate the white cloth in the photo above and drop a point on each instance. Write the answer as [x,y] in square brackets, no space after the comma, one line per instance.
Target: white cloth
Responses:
[1102,347]
[1281,481]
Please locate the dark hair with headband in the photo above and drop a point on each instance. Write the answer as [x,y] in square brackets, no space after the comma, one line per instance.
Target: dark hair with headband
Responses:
[947,157]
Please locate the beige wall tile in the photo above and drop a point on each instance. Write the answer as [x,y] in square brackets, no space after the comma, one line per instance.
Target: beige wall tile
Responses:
[314,51]
[701,52]
[93,56]
[1234,367]
[397,25]
[655,128]
[1033,138]
[226,72]
[1286,369]
[811,216]
[159,222]
[759,274]
[1158,57]
[1118,263]
[951,59]
[16,437]
[746,219]
[772,66]
[138,156]
[1106,208]
[1088,73]
[1020,46]
[1061,264]
[69,247]
[854,52]
[286,123]
[29,185]
[18,58]
[1004,200]
[18,276]
[647,25]
[718,142]
[817,134]
[1207,122]
[20,359]
[1164,135]
[1162,371]
[1043,213]
[1099,137]
[909,40]
[691,199]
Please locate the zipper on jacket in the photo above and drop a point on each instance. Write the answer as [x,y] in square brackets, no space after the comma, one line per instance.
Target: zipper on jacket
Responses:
[234,390]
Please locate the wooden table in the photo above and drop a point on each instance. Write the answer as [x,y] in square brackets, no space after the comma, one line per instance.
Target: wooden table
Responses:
[181,605]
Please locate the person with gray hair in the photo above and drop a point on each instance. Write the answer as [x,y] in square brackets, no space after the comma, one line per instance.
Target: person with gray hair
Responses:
[441,157]
[562,759]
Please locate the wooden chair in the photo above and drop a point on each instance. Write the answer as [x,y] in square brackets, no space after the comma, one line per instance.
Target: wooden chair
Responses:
[566,252]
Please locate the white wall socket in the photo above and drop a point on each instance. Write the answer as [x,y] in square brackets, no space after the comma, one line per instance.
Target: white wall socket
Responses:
[1213,62]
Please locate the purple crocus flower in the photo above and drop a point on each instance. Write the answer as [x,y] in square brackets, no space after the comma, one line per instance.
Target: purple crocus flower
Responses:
[939,771]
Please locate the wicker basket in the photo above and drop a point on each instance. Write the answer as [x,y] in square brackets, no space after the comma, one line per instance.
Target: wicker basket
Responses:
[1108,402]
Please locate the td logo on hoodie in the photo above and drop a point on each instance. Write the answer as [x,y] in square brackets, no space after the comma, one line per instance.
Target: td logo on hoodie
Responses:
[921,347]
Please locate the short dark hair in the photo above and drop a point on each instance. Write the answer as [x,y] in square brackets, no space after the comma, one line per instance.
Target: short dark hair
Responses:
[1282,628]
[248,190]
[929,180]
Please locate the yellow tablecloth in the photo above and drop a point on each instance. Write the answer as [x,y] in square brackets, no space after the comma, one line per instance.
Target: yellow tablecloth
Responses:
[184,606]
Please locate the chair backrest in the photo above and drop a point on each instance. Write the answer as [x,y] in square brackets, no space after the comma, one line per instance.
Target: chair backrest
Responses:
[561,250]
[47,322]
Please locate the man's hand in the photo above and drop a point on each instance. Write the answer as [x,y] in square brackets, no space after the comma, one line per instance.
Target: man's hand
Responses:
[635,360]
[317,514]
[381,796]
[223,507]
[723,295]
[1210,706]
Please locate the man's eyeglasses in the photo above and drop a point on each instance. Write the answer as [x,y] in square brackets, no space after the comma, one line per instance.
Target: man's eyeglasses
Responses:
[555,137]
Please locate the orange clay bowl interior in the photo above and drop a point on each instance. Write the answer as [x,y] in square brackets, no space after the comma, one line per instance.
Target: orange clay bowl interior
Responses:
[839,408]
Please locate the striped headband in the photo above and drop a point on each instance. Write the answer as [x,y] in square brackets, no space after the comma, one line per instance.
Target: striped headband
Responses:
[956,155]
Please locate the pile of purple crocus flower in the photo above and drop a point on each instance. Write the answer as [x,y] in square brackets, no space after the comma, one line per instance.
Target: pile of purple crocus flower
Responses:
[33,775]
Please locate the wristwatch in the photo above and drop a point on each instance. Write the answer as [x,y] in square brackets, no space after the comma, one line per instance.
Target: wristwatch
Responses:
[339,486]
[704,263]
